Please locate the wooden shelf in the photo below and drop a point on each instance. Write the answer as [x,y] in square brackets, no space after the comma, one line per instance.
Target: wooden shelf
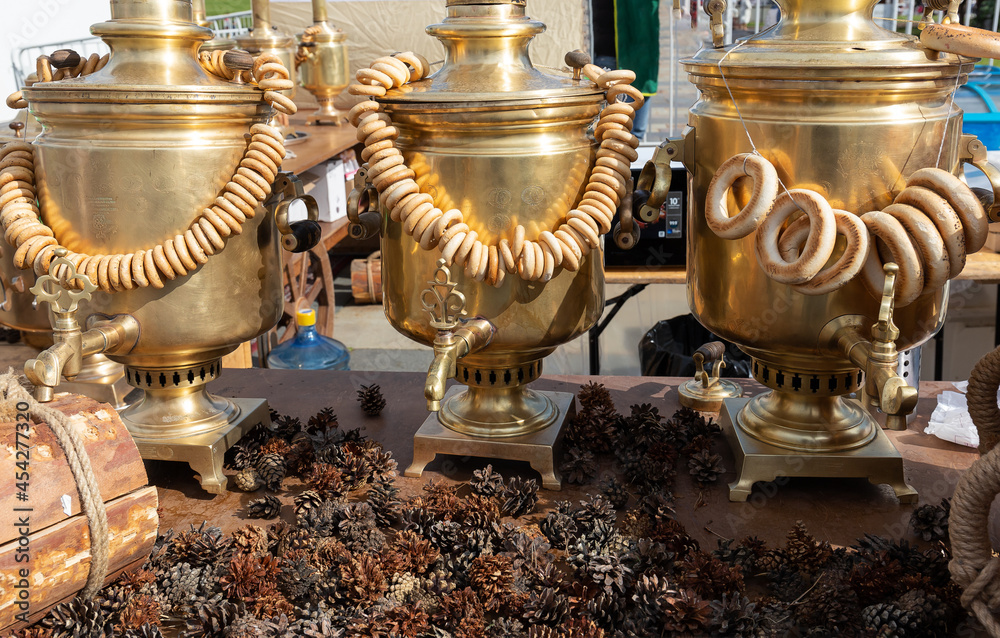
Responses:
[324,142]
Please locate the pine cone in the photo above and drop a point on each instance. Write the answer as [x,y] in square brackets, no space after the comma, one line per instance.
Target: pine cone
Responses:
[593,395]
[490,577]
[616,492]
[487,483]
[558,528]
[383,498]
[594,429]
[327,481]
[267,507]
[737,617]
[705,467]
[547,608]
[403,587]
[248,480]
[520,497]
[578,466]
[145,631]
[250,539]
[930,522]
[243,455]
[803,551]
[685,613]
[890,621]
[212,620]
[272,469]
[305,503]
[78,618]
[325,419]
[371,399]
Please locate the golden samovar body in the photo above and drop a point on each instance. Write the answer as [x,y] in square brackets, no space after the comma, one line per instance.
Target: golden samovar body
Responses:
[129,156]
[507,145]
[843,107]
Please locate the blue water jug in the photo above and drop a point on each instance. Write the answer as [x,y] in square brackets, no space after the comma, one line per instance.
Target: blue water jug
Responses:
[309,350]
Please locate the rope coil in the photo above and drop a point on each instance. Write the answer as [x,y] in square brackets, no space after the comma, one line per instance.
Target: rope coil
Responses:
[531,259]
[249,186]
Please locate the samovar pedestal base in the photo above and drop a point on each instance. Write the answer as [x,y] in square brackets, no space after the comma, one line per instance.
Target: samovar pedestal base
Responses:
[205,452]
[118,394]
[327,114]
[541,449]
[878,461]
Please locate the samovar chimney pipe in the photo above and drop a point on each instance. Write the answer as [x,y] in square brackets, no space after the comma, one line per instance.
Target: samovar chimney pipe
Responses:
[155,10]
[319,11]
[262,16]
[199,16]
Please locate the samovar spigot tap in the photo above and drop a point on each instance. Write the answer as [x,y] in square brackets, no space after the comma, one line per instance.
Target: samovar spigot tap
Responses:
[878,357]
[113,335]
[456,337]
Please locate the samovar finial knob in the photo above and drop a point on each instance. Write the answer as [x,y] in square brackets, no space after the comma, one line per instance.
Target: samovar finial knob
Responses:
[60,296]
[441,301]
[576,60]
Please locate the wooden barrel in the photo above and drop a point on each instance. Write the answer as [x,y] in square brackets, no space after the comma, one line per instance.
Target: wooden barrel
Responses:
[44,536]
[366,279]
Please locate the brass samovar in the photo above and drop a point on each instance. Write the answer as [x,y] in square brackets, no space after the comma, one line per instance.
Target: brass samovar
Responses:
[322,64]
[495,156]
[131,157]
[852,112]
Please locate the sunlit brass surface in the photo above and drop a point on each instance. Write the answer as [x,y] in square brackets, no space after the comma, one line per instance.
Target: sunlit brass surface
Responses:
[268,38]
[541,448]
[506,144]
[849,109]
[878,461]
[323,69]
[216,43]
[129,156]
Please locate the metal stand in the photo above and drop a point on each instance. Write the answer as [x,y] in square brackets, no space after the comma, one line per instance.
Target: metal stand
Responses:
[877,461]
[541,449]
[205,452]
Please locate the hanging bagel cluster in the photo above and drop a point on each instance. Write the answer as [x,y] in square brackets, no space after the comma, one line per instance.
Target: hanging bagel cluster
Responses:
[532,259]
[928,230]
[36,244]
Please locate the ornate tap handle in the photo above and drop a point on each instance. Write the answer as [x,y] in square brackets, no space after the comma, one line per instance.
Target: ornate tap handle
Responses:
[716,10]
[362,207]
[884,331]
[713,355]
[441,301]
[62,299]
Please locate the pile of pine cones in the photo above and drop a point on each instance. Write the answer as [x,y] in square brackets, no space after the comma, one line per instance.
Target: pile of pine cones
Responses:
[476,560]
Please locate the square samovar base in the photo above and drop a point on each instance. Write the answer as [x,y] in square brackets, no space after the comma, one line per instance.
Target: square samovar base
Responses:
[878,461]
[205,452]
[540,449]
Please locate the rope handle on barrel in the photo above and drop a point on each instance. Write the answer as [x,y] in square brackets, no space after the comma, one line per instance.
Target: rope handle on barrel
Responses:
[973,565]
[36,244]
[91,501]
[918,230]
[531,259]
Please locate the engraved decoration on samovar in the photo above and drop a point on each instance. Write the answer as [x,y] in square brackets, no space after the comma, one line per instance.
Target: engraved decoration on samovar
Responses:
[826,221]
[491,194]
[145,182]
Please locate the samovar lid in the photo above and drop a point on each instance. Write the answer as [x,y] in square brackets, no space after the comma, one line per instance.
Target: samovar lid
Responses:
[154,59]
[486,59]
[826,40]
